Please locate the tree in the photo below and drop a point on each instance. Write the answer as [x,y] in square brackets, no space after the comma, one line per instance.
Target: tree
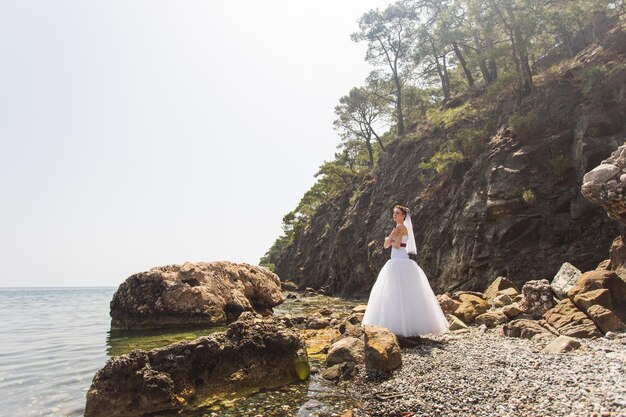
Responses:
[389,35]
[357,115]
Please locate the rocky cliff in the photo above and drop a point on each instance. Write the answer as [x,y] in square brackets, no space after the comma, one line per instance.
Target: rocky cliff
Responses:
[512,207]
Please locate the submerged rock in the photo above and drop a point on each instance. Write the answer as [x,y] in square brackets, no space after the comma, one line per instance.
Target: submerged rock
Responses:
[193,294]
[253,352]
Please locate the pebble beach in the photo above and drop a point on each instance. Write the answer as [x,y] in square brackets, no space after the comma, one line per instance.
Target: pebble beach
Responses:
[484,373]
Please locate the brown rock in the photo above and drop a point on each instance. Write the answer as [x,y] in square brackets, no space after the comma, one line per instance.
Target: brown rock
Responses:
[382,351]
[561,344]
[502,300]
[526,329]
[570,321]
[455,323]
[491,318]
[348,349]
[617,253]
[471,306]
[289,286]
[317,321]
[499,284]
[448,305]
[253,352]
[512,310]
[605,265]
[359,309]
[607,290]
[340,371]
[193,294]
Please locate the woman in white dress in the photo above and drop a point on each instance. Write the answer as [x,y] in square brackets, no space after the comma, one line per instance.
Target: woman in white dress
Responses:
[401,299]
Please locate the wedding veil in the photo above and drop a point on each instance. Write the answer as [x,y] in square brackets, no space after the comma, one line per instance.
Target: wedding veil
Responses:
[410,244]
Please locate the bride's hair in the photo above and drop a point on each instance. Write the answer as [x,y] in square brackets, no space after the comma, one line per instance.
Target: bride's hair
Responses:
[403,209]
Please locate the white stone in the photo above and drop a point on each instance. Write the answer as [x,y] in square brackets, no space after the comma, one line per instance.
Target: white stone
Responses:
[565,279]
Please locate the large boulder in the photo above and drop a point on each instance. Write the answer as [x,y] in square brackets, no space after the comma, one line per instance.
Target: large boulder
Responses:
[570,321]
[253,352]
[602,295]
[448,305]
[565,279]
[382,351]
[537,297]
[491,318]
[193,294]
[605,185]
[470,307]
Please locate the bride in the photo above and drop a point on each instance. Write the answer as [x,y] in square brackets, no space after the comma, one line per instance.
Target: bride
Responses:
[401,299]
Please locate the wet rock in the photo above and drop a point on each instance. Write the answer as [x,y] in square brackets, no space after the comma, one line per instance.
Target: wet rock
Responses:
[537,297]
[499,284]
[471,307]
[602,295]
[565,279]
[491,318]
[316,321]
[382,351]
[253,352]
[341,371]
[348,349]
[568,320]
[561,344]
[193,294]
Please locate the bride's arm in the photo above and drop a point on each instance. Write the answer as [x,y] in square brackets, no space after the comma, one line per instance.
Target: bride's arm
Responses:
[390,240]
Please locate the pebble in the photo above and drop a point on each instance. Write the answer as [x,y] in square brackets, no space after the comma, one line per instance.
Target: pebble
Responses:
[476,373]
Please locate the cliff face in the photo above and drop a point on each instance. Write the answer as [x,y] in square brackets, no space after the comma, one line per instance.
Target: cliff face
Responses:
[513,209]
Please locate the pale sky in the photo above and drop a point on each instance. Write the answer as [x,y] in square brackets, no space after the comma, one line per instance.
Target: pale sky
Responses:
[138,133]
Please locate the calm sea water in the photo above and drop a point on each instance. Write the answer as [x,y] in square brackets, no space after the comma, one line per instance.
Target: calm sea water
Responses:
[55,339]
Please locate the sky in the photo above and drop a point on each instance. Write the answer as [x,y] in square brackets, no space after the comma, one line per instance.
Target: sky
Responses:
[141,133]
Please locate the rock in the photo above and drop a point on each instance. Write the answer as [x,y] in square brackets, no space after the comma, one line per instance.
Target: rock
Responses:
[502,300]
[499,284]
[482,328]
[605,265]
[348,349]
[526,329]
[491,318]
[316,321]
[341,371]
[382,351]
[327,312]
[617,255]
[471,306]
[601,185]
[537,297]
[602,295]
[512,310]
[351,327]
[565,279]
[561,344]
[455,323]
[289,286]
[447,304]
[360,308]
[253,352]
[570,321]
[193,294]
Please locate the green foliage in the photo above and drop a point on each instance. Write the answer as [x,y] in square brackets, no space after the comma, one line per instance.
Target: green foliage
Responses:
[561,165]
[593,82]
[529,197]
[442,160]
[524,125]
[449,117]
[471,140]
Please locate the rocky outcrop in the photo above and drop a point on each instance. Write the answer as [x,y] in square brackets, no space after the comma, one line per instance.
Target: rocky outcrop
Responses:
[253,352]
[513,207]
[193,294]
[605,185]
[382,351]
[470,307]
[570,321]
[602,296]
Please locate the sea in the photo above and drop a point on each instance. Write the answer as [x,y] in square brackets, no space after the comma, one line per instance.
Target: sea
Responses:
[54,340]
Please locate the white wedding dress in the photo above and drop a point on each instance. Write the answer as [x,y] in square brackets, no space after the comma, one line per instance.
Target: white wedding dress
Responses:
[402,300]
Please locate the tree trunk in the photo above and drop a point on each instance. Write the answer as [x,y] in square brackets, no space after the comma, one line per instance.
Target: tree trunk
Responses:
[446,76]
[370,151]
[379,140]
[399,116]
[444,84]
[459,56]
